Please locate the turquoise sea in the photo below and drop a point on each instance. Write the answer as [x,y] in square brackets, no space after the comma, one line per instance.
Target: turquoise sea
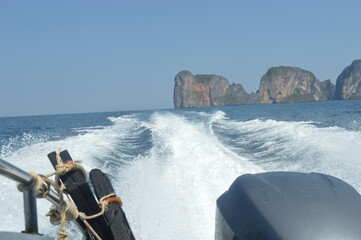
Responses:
[169,166]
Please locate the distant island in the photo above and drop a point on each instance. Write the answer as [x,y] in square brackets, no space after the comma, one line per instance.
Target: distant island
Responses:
[278,85]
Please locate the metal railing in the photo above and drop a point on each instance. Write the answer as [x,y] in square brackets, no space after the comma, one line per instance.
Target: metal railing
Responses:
[30,210]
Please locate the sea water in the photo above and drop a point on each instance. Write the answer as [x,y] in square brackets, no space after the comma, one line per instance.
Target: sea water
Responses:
[170,166]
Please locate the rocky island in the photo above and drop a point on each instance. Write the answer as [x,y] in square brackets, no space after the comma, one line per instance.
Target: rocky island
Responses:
[292,84]
[348,84]
[278,85]
[205,90]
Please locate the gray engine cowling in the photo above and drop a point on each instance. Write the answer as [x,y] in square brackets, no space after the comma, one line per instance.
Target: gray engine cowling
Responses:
[288,206]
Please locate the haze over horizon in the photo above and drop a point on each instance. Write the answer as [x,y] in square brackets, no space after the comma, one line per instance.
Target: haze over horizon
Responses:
[89,56]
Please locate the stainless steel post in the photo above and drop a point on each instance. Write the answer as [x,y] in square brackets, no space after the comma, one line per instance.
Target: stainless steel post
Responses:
[18,175]
[30,212]
[30,209]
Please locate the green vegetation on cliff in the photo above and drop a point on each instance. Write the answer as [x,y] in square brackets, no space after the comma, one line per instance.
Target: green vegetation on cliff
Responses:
[233,100]
[299,98]
[355,97]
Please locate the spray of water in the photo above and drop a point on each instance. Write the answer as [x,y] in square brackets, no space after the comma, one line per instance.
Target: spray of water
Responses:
[172,191]
[298,146]
[170,168]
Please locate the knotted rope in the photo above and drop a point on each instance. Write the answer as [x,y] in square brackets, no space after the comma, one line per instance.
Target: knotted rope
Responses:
[68,211]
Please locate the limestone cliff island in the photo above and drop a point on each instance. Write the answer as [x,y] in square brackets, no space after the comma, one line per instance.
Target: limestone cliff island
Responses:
[205,90]
[278,85]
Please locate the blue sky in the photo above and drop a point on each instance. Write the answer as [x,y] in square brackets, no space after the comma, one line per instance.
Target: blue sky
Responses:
[91,56]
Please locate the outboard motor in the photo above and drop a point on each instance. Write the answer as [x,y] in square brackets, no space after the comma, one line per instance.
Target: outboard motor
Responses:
[288,206]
